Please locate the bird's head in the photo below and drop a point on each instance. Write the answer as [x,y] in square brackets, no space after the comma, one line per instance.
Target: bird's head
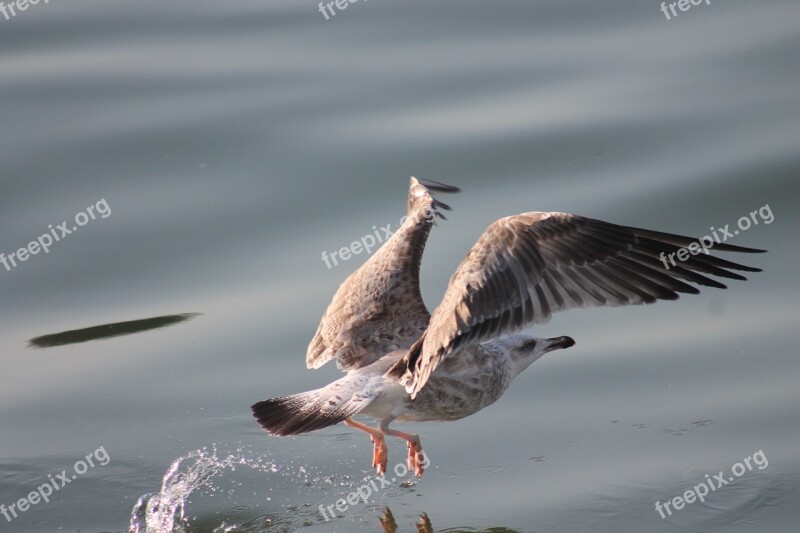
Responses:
[524,349]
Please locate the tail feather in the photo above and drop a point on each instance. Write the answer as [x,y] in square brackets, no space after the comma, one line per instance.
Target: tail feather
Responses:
[310,411]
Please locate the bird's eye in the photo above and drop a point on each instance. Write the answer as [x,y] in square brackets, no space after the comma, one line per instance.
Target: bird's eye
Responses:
[530,345]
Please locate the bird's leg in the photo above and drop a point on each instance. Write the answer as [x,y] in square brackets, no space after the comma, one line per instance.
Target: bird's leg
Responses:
[416,456]
[380,453]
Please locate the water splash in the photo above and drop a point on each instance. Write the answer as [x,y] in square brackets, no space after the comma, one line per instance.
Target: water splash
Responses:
[165,511]
[206,472]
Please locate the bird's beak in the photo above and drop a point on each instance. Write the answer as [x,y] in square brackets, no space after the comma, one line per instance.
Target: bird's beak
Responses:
[557,343]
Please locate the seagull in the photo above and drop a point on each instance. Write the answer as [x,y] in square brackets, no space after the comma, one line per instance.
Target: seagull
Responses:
[405,364]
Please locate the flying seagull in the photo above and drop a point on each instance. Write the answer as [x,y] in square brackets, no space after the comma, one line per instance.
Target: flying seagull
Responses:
[405,364]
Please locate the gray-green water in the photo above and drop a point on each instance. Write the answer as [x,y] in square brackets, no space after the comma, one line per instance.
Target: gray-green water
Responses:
[233,142]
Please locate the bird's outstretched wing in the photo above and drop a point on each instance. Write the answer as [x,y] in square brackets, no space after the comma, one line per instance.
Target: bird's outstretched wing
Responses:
[379,308]
[528,266]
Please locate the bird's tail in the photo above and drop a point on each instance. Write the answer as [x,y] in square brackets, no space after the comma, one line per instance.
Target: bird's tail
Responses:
[312,410]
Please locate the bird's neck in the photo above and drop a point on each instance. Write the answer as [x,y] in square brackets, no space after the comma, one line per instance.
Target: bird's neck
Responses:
[518,363]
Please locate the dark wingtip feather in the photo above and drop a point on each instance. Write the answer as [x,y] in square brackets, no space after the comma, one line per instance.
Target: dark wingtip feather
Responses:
[742,249]
[439,203]
[438,186]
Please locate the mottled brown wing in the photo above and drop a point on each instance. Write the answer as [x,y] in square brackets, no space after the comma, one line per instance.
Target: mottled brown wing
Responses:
[528,266]
[379,308]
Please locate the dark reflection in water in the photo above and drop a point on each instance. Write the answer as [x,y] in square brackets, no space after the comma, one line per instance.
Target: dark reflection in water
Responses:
[105,331]
[389,525]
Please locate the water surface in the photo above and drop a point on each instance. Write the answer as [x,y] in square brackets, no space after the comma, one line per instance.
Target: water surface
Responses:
[235,142]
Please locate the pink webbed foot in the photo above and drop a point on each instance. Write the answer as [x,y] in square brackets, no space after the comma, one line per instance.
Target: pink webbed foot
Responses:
[416,458]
